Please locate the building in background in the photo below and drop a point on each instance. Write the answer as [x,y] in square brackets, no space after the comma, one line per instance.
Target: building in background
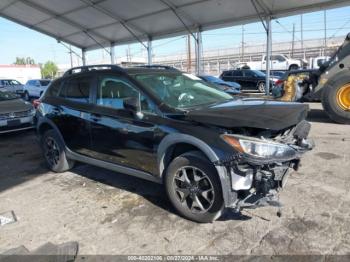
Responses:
[21,73]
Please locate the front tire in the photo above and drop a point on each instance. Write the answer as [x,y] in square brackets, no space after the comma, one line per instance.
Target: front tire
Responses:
[194,188]
[261,87]
[293,67]
[336,100]
[54,153]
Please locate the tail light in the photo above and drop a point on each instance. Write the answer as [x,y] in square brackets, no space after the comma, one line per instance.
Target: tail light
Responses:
[279,82]
[36,103]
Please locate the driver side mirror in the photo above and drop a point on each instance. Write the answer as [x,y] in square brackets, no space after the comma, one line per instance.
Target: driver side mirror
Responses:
[131,104]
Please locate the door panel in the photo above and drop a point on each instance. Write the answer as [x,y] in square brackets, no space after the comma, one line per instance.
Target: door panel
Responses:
[118,135]
[72,116]
[74,125]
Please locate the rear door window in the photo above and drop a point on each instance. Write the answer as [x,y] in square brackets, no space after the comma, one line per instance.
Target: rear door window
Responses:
[77,89]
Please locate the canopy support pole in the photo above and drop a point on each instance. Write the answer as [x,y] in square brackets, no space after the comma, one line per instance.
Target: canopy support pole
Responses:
[112,52]
[199,53]
[267,25]
[268,54]
[83,56]
[149,51]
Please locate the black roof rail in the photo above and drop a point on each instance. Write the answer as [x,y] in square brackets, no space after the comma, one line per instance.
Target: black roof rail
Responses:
[165,67]
[81,69]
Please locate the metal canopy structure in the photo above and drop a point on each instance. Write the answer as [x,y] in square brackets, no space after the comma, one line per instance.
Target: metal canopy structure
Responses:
[93,24]
[90,24]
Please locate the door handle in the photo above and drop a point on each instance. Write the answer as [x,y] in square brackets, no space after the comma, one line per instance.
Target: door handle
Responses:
[57,110]
[95,117]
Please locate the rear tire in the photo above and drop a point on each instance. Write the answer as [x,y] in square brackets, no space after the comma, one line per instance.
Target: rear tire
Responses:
[336,105]
[54,152]
[194,188]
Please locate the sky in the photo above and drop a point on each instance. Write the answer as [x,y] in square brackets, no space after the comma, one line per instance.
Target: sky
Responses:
[19,41]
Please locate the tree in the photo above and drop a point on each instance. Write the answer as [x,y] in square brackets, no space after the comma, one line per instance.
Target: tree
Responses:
[24,61]
[49,70]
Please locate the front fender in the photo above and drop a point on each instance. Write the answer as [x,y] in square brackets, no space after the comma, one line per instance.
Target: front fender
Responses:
[173,139]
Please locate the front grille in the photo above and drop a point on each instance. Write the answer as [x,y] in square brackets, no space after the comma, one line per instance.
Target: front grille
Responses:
[13,115]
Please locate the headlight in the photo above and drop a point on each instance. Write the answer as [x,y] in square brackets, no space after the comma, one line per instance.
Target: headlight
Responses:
[260,148]
[32,112]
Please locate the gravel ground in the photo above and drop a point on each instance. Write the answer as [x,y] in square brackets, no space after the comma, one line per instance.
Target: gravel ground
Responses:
[111,213]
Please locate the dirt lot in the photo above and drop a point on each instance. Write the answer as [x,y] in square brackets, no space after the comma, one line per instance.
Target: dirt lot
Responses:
[110,213]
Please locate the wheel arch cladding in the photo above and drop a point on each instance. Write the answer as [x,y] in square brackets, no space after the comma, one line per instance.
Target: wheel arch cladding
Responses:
[166,148]
[164,154]
[47,124]
[43,127]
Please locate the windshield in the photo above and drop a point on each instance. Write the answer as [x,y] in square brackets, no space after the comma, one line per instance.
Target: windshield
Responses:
[181,91]
[7,96]
[44,82]
[259,73]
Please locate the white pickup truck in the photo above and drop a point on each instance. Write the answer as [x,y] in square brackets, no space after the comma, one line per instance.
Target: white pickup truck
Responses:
[316,62]
[278,62]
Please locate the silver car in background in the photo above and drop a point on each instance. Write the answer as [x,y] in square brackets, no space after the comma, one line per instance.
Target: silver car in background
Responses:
[15,114]
[35,88]
[12,86]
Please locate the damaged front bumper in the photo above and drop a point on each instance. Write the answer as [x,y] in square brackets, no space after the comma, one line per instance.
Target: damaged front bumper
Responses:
[255,182]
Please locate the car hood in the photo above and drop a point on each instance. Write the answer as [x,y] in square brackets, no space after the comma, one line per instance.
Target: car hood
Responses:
[14,105]
[232,84]
[254,113]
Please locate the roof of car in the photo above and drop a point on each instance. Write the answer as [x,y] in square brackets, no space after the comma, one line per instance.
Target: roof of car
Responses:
[114,68]
[138,70]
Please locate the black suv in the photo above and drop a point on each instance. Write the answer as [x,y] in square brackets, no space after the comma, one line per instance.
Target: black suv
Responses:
[253,80]
[210,150]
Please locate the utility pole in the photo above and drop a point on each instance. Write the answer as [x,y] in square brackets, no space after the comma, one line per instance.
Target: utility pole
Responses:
[189,59]
[71,57]
[325,28]
[293,40]
[242,43]
[302,35]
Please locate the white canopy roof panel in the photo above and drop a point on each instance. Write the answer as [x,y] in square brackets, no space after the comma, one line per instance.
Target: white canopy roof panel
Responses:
[89,24]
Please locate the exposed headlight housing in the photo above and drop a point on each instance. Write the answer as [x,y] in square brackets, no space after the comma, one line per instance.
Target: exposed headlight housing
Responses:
[260,149]
[32,111]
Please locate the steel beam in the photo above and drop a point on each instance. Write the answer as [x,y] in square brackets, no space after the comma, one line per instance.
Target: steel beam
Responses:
[83,56]
[199,53]
[112,52]
[268,54]
[149,51]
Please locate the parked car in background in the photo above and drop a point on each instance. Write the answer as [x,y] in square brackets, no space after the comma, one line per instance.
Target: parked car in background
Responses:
[278,62]
[35,88]
[15,114]
[275,74]
[209,149]
[11,85]
[228,87]
[253,80]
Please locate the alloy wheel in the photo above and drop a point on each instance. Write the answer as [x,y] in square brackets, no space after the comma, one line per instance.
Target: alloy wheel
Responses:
[194,189]
[261,87]
[52,153]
